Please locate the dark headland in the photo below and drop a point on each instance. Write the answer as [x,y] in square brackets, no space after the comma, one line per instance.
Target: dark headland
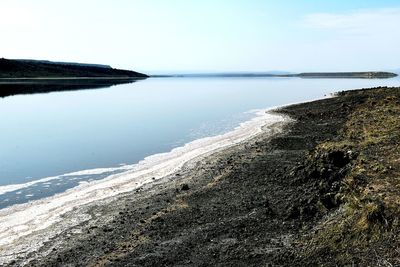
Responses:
[14,69]
[325,192]
[38,76]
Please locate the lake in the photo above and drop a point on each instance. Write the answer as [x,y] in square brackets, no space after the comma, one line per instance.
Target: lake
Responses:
[62,139]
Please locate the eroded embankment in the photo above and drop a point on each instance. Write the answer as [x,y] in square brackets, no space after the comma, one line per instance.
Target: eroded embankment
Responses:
[358,173]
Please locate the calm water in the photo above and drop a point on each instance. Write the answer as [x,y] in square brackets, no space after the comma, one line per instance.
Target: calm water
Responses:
[45,135]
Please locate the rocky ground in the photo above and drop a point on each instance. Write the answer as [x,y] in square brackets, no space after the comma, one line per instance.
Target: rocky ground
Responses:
[324,192]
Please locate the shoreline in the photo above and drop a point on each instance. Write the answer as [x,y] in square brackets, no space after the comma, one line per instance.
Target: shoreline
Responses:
[250,204]
[146,172]
[158,157]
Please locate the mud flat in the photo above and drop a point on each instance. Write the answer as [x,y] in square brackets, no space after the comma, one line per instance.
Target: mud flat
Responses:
[319,188]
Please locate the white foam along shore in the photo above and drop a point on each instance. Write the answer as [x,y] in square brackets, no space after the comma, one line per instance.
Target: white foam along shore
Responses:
[14,187]
[22,226]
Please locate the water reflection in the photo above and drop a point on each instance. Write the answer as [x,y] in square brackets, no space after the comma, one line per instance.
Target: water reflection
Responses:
[9,87]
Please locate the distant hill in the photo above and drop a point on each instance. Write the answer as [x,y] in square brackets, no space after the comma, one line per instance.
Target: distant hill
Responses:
[46,69]
[63,63]
[364,75]
[222,74]
[218,74]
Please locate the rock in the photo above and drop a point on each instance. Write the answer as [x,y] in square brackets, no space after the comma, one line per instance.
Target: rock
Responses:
[329,201]
[185,187]
[338,158]
[351,154]
[376,212]
[308,211]
[293,212]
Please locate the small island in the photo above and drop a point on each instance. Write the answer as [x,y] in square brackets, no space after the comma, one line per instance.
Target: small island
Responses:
[363,75]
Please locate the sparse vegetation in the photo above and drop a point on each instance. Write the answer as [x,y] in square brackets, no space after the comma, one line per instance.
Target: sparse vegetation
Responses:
[366,228]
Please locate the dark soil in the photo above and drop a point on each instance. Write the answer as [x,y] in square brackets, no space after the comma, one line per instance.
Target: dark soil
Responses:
[250,205]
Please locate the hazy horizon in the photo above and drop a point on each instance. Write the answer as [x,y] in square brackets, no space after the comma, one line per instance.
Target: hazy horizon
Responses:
[158,37]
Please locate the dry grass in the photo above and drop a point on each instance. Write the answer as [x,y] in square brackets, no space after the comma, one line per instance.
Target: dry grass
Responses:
[368,224]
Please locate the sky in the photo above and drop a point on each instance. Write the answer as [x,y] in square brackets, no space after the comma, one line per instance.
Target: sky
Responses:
[157,36]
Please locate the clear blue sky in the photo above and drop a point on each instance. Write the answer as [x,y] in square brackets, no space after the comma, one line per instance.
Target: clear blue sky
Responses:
[207,35]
